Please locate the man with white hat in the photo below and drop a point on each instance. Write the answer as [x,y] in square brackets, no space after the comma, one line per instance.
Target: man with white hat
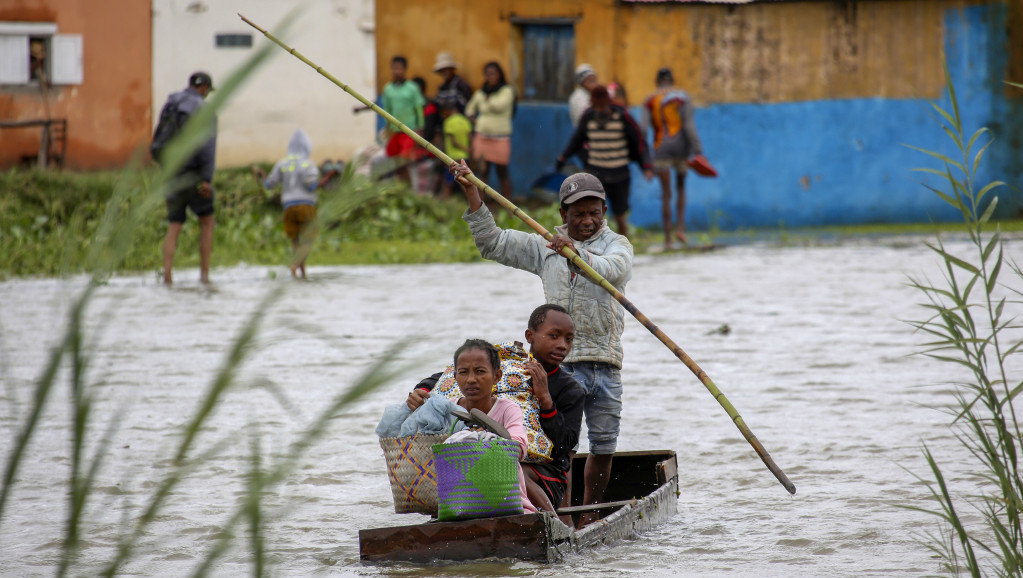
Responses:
[453,86]
[579,100]
[595,360]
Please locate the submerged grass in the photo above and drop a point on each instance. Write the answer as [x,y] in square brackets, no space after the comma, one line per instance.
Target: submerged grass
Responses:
[973,316]
[100,226]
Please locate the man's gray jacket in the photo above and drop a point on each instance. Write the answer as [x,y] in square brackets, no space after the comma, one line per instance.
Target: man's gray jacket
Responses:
[599,318]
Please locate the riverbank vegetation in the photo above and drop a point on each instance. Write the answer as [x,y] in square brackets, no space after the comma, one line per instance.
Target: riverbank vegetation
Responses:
[49,221]
[973,323]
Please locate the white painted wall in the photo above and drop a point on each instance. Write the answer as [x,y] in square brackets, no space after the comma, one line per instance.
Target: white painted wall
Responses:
[285,93]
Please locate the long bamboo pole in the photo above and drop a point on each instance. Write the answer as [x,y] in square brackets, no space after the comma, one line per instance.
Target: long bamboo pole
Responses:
[569,254]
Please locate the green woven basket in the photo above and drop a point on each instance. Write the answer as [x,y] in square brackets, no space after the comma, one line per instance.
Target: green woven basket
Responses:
[477,479]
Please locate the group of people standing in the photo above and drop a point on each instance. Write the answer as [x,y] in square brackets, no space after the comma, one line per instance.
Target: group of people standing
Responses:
[466,124]
[477,126]
[607,138]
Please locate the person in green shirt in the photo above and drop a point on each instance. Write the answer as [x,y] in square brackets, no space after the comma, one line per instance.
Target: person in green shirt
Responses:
[403,99]
[457,137]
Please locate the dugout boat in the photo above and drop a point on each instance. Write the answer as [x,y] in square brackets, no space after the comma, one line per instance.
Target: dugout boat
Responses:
[642,492]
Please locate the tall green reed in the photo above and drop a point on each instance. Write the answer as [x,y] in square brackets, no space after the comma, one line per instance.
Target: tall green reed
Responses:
[130,207]
[971,325]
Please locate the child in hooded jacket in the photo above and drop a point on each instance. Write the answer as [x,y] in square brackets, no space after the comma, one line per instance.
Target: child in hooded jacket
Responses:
[299,178]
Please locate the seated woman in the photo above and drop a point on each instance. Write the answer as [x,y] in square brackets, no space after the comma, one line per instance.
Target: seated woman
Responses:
[477,369]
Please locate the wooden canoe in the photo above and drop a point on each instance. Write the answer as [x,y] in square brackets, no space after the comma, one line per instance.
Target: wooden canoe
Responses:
[642,492]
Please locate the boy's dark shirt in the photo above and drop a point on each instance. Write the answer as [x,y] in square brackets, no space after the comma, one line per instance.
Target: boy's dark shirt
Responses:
[562,424]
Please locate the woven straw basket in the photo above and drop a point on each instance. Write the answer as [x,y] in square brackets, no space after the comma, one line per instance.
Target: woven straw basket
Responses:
[410,469]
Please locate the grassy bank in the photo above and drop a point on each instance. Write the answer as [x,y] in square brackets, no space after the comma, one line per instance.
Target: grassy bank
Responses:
[48,221]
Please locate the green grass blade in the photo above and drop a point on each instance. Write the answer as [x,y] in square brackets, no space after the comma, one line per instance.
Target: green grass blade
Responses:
[952,97]
[977,158]
[993,277]
[973,140]
[951,120]
[222,381]
[992,243]
[940,157]
[988,188]
[44,386]
[378,375]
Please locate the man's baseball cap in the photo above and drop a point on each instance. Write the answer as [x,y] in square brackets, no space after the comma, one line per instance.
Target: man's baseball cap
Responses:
[581,185]
[200,79]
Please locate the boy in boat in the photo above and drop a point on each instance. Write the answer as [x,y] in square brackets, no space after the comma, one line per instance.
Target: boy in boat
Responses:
[550,333]
[595,360]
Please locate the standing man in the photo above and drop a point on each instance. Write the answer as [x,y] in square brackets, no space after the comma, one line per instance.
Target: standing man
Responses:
[192,185]
[595,359]
[670,111]
[452,86]
[579,100]
[613,139]
[403,99]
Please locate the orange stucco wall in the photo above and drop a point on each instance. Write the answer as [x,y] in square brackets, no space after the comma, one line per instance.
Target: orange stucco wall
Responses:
[109,113]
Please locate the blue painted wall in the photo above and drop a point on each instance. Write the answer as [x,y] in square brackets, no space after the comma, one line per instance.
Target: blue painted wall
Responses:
[824,162]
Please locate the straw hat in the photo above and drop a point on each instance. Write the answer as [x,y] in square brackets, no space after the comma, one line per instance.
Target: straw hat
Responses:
[444,60]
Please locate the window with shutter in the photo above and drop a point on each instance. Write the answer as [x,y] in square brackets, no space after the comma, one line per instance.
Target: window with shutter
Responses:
[13,59]
[66,61]
[31,52]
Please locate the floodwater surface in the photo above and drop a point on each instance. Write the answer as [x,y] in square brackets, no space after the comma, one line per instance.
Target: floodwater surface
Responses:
[816,356]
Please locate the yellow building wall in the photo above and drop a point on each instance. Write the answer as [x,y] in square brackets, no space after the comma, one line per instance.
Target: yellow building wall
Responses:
[791,51]
[477,32]
[769,52]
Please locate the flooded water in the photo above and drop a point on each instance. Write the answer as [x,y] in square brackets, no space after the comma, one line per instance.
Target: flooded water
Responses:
[817,360]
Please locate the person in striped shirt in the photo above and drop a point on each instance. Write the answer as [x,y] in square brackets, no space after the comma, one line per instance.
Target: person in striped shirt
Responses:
[611,139]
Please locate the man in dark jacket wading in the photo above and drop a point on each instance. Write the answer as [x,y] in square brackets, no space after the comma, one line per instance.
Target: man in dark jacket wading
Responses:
[191,187]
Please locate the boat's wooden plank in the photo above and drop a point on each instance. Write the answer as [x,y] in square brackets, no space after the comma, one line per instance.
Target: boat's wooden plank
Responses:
[667,470]
[630,520]
[526,537]
[593,507]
